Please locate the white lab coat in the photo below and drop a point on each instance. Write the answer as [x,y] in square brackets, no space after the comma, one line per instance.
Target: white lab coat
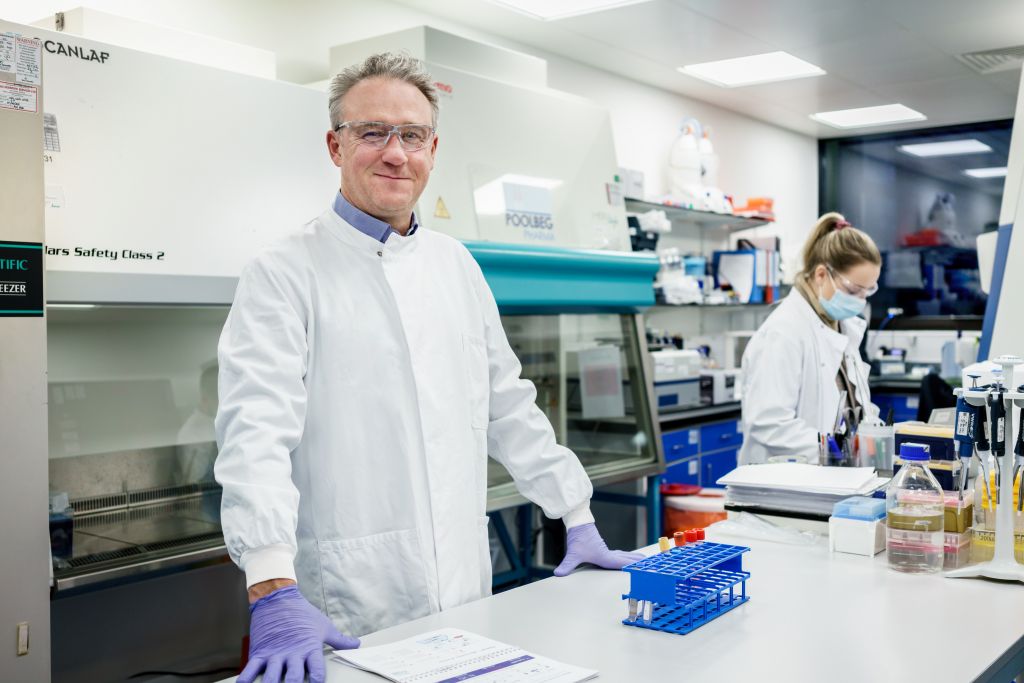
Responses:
[789,380]
[362,386]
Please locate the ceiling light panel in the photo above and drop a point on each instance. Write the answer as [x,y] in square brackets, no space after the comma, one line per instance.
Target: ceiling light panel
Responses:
[550,10]
[945,149]
[764,68]
[993,172]
[868,116]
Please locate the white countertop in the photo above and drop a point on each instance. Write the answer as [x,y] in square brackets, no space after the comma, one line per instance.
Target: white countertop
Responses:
[812,616]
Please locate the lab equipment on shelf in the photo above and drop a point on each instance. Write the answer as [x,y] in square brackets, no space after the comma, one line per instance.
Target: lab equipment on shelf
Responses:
[677,378]
[686,587]
[915,512]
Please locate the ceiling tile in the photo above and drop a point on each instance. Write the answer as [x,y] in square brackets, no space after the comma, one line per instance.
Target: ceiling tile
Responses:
[666,33]
[952,100]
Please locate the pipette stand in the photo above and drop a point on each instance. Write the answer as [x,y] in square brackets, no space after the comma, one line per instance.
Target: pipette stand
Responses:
[1003,566]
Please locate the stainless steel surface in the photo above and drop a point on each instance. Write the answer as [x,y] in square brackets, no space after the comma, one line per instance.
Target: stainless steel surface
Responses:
[180,561]
[131,289]
[127,539]
[86,544]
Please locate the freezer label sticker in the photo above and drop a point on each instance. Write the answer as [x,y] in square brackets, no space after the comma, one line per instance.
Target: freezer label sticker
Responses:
[7,43]
[18,97]
[21,279]
[27,61]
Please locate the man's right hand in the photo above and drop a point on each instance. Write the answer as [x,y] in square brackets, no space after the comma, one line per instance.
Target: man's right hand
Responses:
[287,636]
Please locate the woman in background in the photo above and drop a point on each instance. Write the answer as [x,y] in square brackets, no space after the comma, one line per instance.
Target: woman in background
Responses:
[805,358]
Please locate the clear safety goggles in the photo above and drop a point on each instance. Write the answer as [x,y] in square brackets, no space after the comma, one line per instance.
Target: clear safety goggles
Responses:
[852,288]
[411,136]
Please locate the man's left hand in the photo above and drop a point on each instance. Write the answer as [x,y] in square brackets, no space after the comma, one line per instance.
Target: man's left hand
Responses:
[584,544]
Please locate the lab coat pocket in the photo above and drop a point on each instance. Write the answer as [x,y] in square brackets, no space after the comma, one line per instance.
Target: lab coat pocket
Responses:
[373,582]
[478,384]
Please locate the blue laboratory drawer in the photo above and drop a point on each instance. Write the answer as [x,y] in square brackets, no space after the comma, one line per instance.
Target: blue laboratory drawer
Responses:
[683,472]
[714,466]
[680,444]
[720,435]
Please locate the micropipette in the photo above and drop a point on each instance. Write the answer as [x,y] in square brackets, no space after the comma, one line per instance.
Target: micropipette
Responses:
[997,413]
[963,438]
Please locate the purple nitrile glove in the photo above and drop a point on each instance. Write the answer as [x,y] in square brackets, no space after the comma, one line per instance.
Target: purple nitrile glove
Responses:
[583,543]
[287,635]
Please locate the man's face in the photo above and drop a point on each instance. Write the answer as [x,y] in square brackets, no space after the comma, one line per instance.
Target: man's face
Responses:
[384,183]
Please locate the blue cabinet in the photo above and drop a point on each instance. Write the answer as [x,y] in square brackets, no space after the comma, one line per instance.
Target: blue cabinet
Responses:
[720,435]
[683,472]
[904,406]
[701,454]
[681,443]
[716,465]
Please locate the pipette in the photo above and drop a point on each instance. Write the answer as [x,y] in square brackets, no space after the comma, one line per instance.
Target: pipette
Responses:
[1018,452]
[981,449]
[963,438]
[997,413]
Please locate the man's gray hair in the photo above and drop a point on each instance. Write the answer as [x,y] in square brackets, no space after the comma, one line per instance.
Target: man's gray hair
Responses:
[398,67]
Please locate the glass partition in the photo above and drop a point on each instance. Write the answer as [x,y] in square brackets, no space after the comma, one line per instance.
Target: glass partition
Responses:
[590,383]
[132,395]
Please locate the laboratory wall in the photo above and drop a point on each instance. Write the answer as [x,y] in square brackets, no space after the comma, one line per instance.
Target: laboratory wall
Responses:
[756,159]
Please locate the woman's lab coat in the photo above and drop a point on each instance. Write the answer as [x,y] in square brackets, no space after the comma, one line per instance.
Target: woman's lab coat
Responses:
[789,380]
[362,386]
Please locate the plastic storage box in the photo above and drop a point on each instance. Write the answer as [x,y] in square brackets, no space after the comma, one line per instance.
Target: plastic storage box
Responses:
[857,526]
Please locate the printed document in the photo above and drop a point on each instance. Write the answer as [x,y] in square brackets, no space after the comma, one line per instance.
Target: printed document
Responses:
[450,655]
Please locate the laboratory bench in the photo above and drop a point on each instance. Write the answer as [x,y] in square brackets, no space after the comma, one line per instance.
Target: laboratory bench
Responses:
[811,616]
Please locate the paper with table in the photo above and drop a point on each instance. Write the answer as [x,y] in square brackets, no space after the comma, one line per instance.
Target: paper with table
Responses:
[448,655]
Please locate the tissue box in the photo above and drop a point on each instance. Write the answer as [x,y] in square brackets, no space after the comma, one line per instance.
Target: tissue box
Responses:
[857,526]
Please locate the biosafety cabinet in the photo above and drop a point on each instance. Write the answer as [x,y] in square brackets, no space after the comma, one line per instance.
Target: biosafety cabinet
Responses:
[163,178]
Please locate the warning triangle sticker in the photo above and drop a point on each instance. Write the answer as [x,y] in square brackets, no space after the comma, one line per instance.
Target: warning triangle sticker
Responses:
[441,211]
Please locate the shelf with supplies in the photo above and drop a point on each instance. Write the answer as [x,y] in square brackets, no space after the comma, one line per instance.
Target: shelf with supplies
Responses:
[702,219]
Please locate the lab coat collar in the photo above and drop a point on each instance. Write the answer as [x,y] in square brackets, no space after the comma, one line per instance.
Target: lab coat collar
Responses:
[363,243]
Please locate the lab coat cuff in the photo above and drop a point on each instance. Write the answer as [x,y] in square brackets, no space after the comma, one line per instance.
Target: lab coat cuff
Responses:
[578,517]
[268,562]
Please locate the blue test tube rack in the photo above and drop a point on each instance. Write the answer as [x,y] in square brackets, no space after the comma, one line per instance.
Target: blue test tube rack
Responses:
[687,586]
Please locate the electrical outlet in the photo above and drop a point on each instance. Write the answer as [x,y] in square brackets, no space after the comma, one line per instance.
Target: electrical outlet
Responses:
[22,638]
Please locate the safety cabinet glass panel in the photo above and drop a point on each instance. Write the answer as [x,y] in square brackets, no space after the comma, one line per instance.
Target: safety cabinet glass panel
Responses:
[131,399]
[590,383]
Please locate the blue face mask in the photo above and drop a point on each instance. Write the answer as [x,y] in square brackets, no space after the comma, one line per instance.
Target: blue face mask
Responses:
[842,305]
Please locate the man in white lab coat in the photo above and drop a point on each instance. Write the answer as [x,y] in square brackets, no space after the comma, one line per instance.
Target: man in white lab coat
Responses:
[364,379]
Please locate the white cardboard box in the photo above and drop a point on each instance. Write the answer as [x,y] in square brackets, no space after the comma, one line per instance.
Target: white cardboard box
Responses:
[856,536]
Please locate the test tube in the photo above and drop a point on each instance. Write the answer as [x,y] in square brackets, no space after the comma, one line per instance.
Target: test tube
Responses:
[631,616]
[700,534]
[663,544]
[679,537]
[648,611]
[691,536]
